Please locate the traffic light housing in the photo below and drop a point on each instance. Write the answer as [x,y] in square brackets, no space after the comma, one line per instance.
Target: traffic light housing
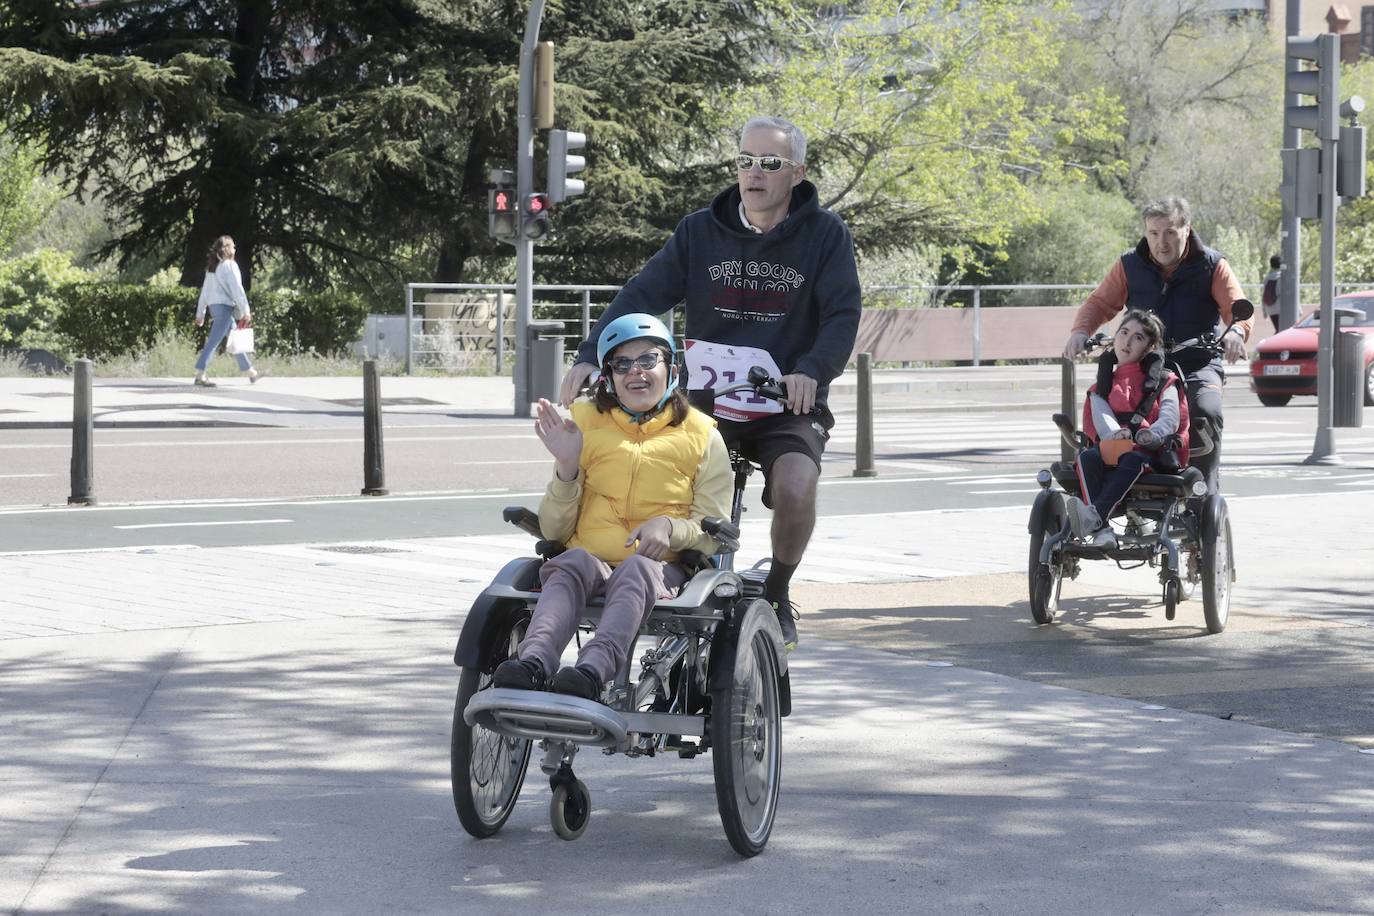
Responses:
[1323,82]
[501,206]
[563,163]
[535,217]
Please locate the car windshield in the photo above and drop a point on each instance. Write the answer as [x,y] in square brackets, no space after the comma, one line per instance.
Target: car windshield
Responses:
[1362,304]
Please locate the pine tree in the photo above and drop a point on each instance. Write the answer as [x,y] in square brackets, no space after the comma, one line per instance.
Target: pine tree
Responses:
[354,137]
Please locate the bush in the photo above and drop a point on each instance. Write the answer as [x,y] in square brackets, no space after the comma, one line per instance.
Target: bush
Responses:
[293,322]
[108,319]
[31,297]
[101,320]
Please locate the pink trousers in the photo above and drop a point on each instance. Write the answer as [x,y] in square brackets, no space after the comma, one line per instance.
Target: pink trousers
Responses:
[574,577]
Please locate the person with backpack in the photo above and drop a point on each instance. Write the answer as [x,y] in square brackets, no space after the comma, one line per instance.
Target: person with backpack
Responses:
[1270,297]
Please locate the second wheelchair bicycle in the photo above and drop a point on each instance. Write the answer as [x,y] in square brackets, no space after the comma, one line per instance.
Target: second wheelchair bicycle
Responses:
[715,680]
[1168,520]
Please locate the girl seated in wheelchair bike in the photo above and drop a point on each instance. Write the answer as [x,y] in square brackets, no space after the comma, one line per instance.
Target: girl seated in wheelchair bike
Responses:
[636,470]
[1138,421]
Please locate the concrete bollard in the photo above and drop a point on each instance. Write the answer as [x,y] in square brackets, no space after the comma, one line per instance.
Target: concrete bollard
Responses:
[374,462]
[83,436]
[1068,402]
[863,436]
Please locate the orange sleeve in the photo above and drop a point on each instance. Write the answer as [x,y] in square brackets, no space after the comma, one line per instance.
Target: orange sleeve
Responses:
[1226,290]
[1103,303]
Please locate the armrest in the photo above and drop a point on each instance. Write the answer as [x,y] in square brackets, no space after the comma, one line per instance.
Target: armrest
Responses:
[725,533]
[524,519]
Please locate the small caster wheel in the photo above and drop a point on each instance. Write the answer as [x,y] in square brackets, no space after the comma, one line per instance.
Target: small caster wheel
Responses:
[570,809]
[1171,591]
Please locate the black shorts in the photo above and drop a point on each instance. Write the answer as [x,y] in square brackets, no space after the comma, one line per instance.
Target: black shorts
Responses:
[764,440]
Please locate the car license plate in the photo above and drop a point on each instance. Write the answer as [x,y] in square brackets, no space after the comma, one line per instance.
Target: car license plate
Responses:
[1283,370]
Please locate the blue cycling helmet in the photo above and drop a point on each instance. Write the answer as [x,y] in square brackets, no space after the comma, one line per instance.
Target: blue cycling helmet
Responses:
[632,327]
[635,326]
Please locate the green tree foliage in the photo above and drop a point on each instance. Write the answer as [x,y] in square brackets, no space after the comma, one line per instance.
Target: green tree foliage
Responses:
[354,137]
[928,119]
[1202,100]
[24,200]
[31,297]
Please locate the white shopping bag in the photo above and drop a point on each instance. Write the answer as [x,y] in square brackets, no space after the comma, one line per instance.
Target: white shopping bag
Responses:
[240,341]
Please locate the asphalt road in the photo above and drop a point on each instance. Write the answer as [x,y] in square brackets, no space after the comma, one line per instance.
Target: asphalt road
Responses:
[292,757]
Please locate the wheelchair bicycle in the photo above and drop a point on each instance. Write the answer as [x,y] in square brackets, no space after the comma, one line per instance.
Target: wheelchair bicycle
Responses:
[715,680]
[1171,522]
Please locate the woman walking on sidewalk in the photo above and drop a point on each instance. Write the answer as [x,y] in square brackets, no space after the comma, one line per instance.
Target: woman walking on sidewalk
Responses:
[223,297]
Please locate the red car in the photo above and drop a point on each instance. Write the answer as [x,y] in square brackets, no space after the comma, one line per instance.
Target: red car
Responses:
[1286,364]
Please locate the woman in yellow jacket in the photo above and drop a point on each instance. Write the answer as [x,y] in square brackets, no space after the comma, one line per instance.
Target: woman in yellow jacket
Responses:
[636,470]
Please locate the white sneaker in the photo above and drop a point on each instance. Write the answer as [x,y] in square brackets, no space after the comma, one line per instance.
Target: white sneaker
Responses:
[1083,518]
[1103,537]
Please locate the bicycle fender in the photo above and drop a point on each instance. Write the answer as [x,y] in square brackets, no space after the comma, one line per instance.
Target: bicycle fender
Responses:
[1038,509]
[489,608]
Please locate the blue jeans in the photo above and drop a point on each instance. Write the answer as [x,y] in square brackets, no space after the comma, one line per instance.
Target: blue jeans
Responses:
[221,320]
[1103,486]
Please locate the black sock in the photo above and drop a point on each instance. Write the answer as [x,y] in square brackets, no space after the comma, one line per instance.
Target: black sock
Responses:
[779,578]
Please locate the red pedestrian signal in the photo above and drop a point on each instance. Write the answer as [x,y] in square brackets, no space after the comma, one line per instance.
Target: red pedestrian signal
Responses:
[501,216]
[536,217]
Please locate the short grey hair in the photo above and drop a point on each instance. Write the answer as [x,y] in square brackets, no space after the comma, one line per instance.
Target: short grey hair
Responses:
[1174,209]
[796,140]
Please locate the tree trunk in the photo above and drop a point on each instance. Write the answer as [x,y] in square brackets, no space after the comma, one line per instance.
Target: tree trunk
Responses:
[227,199]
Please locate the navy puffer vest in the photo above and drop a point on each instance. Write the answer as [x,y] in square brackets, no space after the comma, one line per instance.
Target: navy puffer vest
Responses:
[1185,302]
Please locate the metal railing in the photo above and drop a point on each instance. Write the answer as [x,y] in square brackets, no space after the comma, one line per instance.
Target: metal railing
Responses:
[470,327]
[456,329]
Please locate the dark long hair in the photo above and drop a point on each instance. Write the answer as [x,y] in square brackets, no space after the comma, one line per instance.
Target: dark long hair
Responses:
[605,399]
[216,252]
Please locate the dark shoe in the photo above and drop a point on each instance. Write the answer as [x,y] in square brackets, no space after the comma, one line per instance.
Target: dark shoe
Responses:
[519,674]
[579,681]
[205,382]
[787,617]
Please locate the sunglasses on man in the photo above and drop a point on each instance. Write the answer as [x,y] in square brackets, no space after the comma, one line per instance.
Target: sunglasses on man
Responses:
[644,362]
[745,162]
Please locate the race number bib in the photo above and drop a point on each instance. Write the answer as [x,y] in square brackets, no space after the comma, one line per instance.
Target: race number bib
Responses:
[713,365]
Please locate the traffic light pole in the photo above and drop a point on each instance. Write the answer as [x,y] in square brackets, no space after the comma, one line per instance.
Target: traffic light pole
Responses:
[1290,248]
[524,184]
[1324,446]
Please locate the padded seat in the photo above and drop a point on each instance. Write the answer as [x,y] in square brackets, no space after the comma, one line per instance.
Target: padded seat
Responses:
[1180,484]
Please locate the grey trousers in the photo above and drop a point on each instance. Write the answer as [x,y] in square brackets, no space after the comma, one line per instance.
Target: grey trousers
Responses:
[574,577]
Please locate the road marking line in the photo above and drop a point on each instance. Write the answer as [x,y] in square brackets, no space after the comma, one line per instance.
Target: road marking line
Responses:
[257,521]
[136,548]
[26,475]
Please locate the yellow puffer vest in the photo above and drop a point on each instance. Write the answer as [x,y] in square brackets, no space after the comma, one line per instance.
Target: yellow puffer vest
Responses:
[632,472]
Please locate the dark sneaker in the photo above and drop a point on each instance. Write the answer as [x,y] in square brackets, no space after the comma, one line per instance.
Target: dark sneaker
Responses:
[204,382]
[519,674]
[787,618]
[578,681]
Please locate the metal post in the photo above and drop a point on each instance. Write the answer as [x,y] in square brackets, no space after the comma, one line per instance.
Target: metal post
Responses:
[977,325]
[863,437]
[374,462]
[1290,238]
[83,437]
[410,324]
[1324,445]
[586,313]
[500,332]
[524,185]
[1068,400]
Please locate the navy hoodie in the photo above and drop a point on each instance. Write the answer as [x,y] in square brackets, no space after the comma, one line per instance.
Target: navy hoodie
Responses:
[793,291]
